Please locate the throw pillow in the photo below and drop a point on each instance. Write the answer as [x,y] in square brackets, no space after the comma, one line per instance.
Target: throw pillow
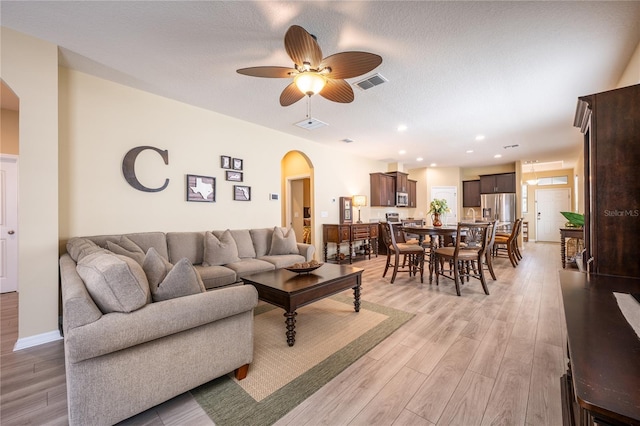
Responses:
[155,267]
[116,283]
[220,251]
[283,243]
[124,249]
[80,247]
[181,280]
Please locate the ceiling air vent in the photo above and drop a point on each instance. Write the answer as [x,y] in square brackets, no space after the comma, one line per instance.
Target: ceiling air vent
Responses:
[371,81]
[311,123]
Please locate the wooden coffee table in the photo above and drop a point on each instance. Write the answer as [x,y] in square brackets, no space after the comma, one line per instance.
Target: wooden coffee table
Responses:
[290,291]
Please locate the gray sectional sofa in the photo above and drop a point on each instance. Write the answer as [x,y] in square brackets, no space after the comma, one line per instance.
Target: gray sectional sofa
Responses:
[130,347]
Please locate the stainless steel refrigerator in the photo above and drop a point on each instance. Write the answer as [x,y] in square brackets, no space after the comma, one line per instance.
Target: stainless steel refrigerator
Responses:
[500,207]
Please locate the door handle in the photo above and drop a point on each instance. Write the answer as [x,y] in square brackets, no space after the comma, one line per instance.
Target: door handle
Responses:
[11,232]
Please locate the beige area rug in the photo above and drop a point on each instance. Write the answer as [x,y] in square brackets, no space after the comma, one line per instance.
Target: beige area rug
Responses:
[330,336]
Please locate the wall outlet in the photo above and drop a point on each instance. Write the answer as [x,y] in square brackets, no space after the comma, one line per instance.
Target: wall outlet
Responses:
[324,214]
[274,196]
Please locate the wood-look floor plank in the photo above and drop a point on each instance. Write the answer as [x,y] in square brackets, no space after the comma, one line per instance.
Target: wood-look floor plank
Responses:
[428,356]
[432,397]
[389,403]
[407,418]
[544,392]
[468,402]
[508,402]
[487,358]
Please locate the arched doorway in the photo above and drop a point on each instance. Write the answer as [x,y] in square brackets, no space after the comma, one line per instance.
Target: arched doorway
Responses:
[297,202]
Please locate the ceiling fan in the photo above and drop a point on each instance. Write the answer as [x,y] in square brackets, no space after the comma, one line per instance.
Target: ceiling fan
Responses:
[312,74]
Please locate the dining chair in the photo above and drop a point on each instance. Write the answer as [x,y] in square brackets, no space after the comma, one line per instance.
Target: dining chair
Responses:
[466,257]
[413,254]
[509,244]
[488,255]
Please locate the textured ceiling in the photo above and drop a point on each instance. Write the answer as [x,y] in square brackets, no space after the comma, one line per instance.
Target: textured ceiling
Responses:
[511,71]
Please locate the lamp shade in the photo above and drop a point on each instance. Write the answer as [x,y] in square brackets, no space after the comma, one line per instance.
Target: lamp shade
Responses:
[359,200]
[310,83]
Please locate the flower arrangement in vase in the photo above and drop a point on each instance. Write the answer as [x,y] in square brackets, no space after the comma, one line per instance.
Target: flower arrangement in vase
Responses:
[437,208]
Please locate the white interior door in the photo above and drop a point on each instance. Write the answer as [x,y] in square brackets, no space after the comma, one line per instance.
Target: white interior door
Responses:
[449,193]
[549,220]
[8,223]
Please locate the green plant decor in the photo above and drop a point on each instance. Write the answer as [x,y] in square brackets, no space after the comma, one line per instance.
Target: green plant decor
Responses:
[438,206]
[576,220]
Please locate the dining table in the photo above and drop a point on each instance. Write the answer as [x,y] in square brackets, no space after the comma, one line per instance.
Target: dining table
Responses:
[436,236]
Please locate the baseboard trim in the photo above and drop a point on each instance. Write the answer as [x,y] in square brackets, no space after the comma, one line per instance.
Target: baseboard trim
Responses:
[38,339]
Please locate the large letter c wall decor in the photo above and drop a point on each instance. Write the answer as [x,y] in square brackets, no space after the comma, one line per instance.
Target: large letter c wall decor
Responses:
[128,168]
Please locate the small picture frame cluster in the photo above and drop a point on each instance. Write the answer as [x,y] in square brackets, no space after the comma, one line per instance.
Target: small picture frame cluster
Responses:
[241,193]
[233,176]
[227,162]
[201,188]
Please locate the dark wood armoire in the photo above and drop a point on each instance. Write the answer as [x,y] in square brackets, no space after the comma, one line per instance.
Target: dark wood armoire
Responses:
[610,122]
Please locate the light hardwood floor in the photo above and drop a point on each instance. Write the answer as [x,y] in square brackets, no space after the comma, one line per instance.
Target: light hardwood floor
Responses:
[470,360]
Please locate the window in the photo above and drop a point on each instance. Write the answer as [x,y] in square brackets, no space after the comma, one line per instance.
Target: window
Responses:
[555,180]
[525,198]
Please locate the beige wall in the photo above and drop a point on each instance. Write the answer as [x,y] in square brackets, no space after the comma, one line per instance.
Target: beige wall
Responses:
[631,74]
[30,69]
[101,121]
[9,142]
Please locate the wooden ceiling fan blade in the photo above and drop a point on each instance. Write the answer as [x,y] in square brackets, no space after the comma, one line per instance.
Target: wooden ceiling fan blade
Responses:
[290,95]
[302,47]
[269,72]
[351,64]
[337,91]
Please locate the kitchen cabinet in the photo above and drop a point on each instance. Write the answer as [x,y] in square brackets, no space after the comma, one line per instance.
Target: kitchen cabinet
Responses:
[402,181]
[471,193]
[610,122]
[412,190]
[498,183]
[383,190]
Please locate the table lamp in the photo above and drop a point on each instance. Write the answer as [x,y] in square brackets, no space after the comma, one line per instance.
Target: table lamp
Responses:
[359,201]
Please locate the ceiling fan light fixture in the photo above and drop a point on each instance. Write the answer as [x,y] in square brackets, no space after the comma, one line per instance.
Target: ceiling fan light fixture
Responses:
[310,83]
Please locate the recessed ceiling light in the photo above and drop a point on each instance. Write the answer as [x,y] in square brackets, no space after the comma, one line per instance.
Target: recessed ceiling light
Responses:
[419,159]
[402,152]
[480,137]
[469,151]
[433,164]
[497,156]
[402,128]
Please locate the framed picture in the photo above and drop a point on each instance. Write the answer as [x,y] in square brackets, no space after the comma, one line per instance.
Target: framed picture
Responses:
[201,188]
[346,210]
[237,164]
[233,176]
[225,162]
[241,193]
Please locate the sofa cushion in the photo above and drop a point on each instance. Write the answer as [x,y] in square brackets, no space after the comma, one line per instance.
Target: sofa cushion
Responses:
[182,280]
[185,244]
[242,237]
[216,276]
[126,247]
[250,266]
[261,238]
[155,267]
[116,283]
[81,247]
[283,242]
[219,251]
[284,260]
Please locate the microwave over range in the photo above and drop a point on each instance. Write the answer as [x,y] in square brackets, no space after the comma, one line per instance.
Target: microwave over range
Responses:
[402,199]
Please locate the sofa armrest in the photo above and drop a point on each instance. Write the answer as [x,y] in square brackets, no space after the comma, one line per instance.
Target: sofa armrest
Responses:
[117,331]
[306,250]
[77,305]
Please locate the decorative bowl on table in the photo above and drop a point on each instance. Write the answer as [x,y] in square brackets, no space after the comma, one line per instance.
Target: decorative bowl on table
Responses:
[305,267]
